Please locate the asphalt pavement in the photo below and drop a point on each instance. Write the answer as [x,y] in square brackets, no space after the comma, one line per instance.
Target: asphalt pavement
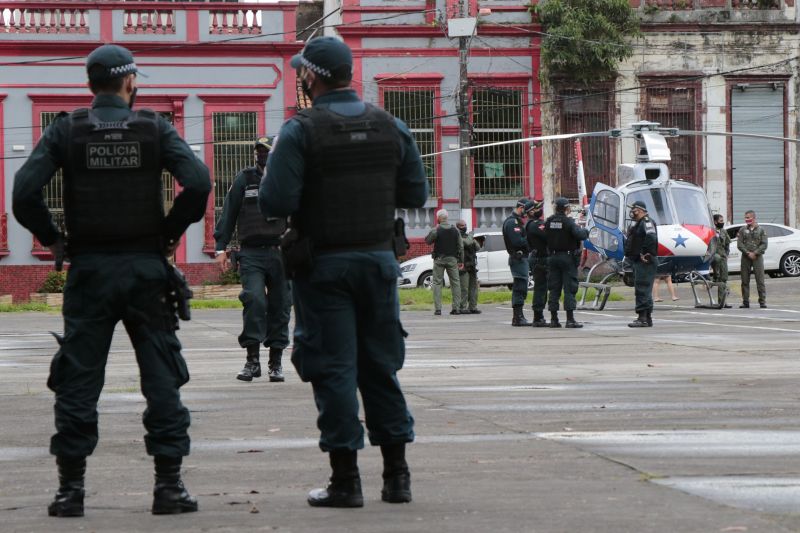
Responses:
[690,426]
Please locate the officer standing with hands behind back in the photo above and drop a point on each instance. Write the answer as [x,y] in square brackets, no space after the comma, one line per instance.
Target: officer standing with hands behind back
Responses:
[117,239]
[564,238]
[641,249]
[340,168]
[517,248]
[266,314]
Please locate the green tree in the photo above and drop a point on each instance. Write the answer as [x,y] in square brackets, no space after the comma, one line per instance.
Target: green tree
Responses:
[586,39]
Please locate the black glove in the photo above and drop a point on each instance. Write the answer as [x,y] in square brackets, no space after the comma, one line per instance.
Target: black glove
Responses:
[58,251]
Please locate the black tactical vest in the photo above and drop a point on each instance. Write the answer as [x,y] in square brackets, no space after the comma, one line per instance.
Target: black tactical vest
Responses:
[446,244]
[558,229]
[253,228]
[537,238]
[112,182]
[348,198]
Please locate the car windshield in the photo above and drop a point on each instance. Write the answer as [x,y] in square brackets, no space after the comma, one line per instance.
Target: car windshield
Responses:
[691,206]
[656,202]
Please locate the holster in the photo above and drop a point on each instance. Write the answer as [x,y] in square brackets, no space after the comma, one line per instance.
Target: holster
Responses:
[233,256]
[400,243]
[297,252]
[179,293]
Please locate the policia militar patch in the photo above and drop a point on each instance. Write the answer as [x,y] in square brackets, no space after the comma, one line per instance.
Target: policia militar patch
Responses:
[107,155]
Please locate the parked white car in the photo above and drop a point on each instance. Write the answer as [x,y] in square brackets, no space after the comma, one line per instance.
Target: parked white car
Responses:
[783,251]
[492,265]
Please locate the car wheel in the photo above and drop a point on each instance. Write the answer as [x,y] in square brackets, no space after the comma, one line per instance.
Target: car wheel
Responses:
[425,280]
[790,264]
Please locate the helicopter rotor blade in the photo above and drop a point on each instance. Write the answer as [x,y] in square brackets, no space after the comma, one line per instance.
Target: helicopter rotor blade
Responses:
[732,134]
[528,139]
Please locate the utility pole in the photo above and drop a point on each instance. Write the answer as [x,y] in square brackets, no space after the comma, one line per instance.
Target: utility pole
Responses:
[463,113]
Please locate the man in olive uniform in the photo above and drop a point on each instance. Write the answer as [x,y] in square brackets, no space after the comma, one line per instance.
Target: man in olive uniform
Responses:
[340,168]
[469,272]
[265,314]
[448,256]
[517,248]
[719,263]
[537,260]
[641,249]
[118,238]
[564,238]
[752,242]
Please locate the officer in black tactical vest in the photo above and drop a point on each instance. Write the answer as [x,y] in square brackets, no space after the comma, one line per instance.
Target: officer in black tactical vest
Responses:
[266,314]
[340,168]
[641,249]
[564,238]
[469,271]
[517,248]
[537,260]
[117,238]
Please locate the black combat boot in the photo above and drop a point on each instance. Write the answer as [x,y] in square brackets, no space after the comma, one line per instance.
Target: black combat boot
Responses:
[649,317]
[538,320]
[519,318]
[274,364]
[554,323]
[396,477]
[344,490]
[69,497]
[571,323]
[252,368]
[169,494]
[640,322]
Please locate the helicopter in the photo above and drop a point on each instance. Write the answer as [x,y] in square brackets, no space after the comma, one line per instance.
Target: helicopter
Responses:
[687,238]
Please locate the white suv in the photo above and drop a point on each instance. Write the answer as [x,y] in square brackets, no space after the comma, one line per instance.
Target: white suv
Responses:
[783,250]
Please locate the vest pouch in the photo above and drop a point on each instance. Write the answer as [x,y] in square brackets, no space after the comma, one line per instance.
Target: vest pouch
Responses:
[400,243]
[297,252]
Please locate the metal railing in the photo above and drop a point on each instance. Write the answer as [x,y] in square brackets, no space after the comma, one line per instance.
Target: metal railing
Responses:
[676,107]
[44,20]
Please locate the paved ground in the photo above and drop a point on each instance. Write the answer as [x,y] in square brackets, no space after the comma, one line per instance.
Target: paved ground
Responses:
[693,425]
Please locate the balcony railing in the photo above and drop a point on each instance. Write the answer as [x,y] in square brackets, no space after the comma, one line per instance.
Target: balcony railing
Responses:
[688,5]
[234,21]
[44,20]
[150,21]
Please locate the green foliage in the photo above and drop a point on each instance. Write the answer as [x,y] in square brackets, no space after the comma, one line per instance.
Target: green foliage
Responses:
[26,307]
[230,277]
[215,304]
[586,39]
[54,282]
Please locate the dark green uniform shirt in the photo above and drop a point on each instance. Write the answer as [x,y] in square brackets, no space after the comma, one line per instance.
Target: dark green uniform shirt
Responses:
[50,154]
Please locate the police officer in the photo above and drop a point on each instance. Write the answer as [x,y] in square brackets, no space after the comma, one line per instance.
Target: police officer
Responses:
[537,260]
[517,248]
[564,238]
[641,249]
[340,168]
[266,315]
[469,272]
[448,256]
[752,241]
[117,237]
[720,262]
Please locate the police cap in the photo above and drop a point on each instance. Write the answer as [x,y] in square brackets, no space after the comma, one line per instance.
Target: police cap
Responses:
[327,57]
[638,204]
[264,141]
[523,203]
[561,202]
[110,61]
[536,205]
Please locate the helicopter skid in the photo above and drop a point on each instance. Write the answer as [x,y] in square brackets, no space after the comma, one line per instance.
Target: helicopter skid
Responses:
[707,286]
[602,289]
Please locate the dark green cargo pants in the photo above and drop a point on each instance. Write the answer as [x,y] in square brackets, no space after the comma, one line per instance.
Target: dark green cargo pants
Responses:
[562,273]
[644,274]
[265,298]
[101,290]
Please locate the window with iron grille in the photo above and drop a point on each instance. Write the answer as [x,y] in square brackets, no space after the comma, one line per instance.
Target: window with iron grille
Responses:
[497,116]
[416,107]
[583,111]
[53,192]
[233,134]
[676,107]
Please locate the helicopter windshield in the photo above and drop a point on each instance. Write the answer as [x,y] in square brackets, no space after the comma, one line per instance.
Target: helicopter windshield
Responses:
[656,202]
[691,206]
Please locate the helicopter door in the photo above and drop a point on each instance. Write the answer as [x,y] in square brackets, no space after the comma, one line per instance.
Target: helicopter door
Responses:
[605,225]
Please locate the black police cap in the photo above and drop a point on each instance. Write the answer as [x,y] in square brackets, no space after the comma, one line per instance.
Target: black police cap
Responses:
[536,205]
[327,57]
[562,202]
[264,141]
[110,61]
[638,204]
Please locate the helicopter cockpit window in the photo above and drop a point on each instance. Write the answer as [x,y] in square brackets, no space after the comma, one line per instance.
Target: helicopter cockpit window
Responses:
[606,209]
[656,202]
[692,207]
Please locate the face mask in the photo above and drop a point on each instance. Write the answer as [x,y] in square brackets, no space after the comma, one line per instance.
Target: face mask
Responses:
[261,161]
[463,231]
[720,225]
[632,215]
[133,97]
